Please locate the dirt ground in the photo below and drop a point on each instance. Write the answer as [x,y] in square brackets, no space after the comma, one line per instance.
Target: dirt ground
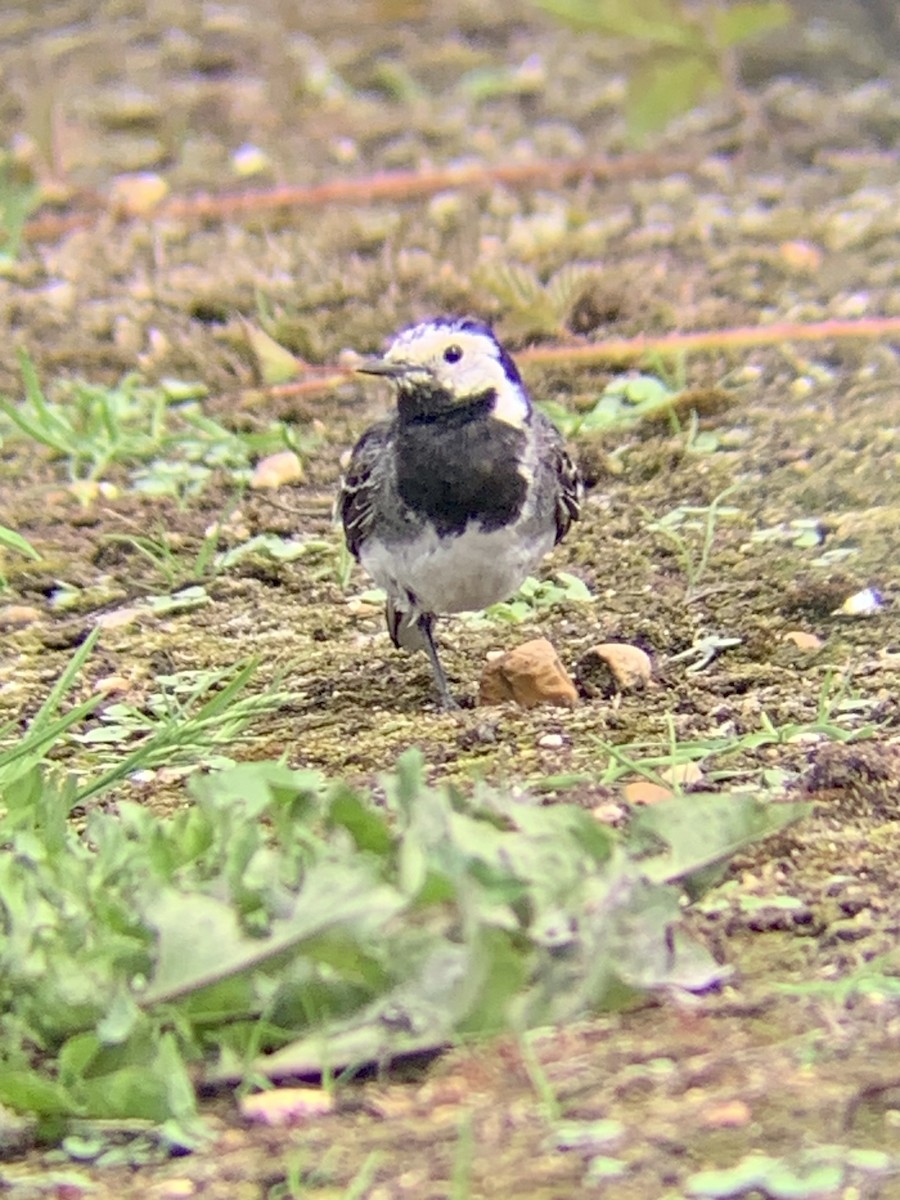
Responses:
[786,208]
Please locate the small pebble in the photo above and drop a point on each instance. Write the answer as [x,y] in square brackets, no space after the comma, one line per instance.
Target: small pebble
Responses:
[120,617]
[609,813]
[286,1106]
[803,640]
[276,470]
[682,773]
[803,258]
[531,674]
[138,195]
[642,791]
[551,741]
[726,1114]
[249,160]
[89,490]
[629,666]
[173,1189]
[16,616]
[112,685]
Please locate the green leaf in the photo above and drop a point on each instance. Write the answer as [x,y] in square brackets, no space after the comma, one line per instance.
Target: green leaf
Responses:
[201,941]
[740,22]
[120,1018]
[14,541]
[274,362]
[76,1055]
[500,968]
[28,1091]
[666,84]
[688,834]
[367,828]
[132,1092]
[657,21]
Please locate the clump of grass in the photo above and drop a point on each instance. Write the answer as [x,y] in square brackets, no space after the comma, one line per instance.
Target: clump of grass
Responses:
[157,434]
[676,526]
[19,197]
[11,540]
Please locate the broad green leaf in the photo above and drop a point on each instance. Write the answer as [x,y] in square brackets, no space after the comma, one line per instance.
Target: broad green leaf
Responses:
[690,833]
[658,21]
[14,541]
[120,1018]
[274,362]
[666,84]
[76,1055]
[200,940]
[131,1092]
[500,969]
[416,1016]
[366,826]
[31,1092]
[170,1066]
[736,23]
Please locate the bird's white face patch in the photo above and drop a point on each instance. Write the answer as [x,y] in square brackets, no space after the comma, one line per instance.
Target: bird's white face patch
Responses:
[464,362]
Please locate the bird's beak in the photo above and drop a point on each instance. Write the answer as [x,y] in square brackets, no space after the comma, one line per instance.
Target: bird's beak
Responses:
[381,366]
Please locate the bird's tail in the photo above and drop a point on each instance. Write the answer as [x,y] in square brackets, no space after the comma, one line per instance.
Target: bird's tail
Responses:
[403,626]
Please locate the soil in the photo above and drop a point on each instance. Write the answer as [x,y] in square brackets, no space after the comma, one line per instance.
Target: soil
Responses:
[784,208]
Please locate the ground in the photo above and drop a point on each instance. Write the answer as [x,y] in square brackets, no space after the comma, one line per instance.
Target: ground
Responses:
[776,205]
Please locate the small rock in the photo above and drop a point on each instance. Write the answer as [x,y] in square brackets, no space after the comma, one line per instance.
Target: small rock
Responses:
[803,258]
[803,640]
[614,667]
[551,741]
[112,685]
[286,1106]
[138,195]
[277,469]
[726,1114]
[531,674]
[249,160]
[357,607]
[120,617]
[609,813]
[642,791]
[15,616]
[86,491]
[173,1189]
[682,773]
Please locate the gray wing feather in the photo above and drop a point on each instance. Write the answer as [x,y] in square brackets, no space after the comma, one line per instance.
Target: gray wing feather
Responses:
[569,486]
[360,487]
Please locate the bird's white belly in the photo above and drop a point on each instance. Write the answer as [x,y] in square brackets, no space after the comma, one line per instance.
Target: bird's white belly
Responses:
[456,574]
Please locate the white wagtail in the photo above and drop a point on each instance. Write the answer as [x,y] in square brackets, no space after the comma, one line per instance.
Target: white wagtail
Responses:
[450,504]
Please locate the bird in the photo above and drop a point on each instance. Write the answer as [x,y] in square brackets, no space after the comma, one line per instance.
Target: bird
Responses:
[452,502]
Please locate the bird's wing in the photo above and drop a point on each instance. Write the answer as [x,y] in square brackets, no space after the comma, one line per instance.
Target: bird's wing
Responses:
[569,484]
[360,486]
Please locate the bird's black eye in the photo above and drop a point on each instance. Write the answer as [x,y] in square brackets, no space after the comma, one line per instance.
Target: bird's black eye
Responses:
[453,354]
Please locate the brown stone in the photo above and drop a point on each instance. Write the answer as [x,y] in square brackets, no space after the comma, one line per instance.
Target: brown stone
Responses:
[726,1114]
[803,640]
[684,774]
[286,1106]
[643,791]
[611,667]
[531,674]
[276,470]
[15,616]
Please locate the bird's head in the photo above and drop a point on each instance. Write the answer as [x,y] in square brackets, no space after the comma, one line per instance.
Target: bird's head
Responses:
[452,362]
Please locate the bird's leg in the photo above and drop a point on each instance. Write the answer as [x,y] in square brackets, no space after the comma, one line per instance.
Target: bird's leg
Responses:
[426,624]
